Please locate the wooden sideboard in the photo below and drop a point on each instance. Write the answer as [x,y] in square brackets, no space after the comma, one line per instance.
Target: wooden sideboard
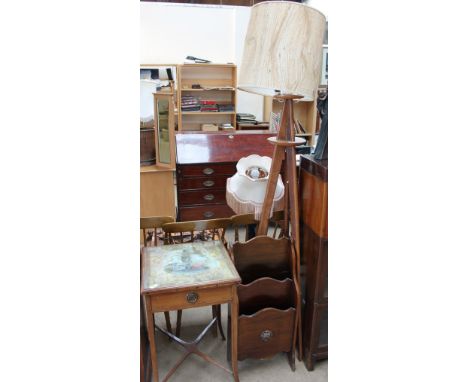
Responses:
[313,201]
[204,162]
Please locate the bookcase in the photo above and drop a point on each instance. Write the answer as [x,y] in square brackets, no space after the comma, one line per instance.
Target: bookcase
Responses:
[202,88]
[304,111]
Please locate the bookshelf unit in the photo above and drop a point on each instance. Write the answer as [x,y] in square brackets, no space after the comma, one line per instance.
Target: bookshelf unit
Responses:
[304,111]
[217,83]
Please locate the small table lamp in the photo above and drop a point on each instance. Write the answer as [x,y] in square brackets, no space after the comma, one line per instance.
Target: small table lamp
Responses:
[245,191]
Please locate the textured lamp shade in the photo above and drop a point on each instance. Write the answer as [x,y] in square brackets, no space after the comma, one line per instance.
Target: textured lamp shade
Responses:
[283,50]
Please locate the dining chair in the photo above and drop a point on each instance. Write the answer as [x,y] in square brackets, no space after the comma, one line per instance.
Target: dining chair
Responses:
[198,230]
[248,223]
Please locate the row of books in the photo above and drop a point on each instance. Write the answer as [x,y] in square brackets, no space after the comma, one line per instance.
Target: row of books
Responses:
[275,120]
[190,103]
[246,118]
[298,128]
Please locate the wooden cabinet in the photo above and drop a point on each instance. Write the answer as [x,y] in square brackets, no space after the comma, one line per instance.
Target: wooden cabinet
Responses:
[204,162]
[157,192]
[212,83]
[157,114]
[313,200]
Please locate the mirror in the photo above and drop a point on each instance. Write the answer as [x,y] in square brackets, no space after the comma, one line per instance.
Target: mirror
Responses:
[164,126]
[164,152]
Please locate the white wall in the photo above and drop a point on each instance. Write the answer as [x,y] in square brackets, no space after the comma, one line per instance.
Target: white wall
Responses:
[170,32]
[319,5]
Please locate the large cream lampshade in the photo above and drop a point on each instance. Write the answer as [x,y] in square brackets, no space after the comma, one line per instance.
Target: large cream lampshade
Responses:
[283,50]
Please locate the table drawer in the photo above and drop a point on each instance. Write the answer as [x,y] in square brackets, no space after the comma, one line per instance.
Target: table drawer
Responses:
[191,298]
[202,183]
[210,211]
[187,198]
[207,169]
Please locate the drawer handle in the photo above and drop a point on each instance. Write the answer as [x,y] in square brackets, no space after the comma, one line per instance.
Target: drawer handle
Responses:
[208,197]
[192,297]
[208,183]
[208,171]
[266,335]
[208,214]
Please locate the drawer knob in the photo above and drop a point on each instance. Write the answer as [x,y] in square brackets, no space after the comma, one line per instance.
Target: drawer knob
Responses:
[208,214]
[192,297]
[208,197]
[208,183]
[266,335]
[208,171]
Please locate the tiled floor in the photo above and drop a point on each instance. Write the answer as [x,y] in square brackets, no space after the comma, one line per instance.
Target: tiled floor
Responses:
[195,369]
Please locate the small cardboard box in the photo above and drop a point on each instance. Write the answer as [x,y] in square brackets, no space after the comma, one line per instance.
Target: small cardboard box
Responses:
[209,127]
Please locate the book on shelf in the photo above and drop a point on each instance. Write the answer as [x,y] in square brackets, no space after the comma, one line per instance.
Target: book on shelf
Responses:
[275,119]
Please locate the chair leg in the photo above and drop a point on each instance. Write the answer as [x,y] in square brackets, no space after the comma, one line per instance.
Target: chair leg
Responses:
[179,322]
[168,322]
[214,314]
[220,325]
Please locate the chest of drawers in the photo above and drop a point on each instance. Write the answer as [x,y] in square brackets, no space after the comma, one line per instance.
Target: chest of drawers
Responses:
[204,162]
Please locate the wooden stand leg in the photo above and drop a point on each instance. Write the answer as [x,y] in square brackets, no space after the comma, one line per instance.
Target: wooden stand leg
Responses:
[234,322]
[151,338]
[285,148]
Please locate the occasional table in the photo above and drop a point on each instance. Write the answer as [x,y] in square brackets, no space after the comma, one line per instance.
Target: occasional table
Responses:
[183,276]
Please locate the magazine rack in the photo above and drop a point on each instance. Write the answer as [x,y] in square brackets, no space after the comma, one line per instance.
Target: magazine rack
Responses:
[268,298]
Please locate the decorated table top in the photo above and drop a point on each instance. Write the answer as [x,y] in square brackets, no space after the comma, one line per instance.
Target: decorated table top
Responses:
[188,265]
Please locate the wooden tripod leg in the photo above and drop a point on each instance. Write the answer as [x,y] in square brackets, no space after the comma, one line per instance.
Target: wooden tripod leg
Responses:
[291,174]
[278,155]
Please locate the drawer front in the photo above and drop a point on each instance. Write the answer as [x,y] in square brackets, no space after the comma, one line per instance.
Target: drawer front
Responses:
[213,211]
[191,298]
[207,169]
[266,333]
[201,183]
[187,198]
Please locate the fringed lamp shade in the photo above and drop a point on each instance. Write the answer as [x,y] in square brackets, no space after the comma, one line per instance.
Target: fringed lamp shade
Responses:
[245,191]
[283,50]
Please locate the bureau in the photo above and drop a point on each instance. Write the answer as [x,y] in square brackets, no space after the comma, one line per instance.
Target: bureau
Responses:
[204,162]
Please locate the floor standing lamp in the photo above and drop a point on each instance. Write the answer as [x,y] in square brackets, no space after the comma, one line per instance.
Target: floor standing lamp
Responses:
[282,58]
